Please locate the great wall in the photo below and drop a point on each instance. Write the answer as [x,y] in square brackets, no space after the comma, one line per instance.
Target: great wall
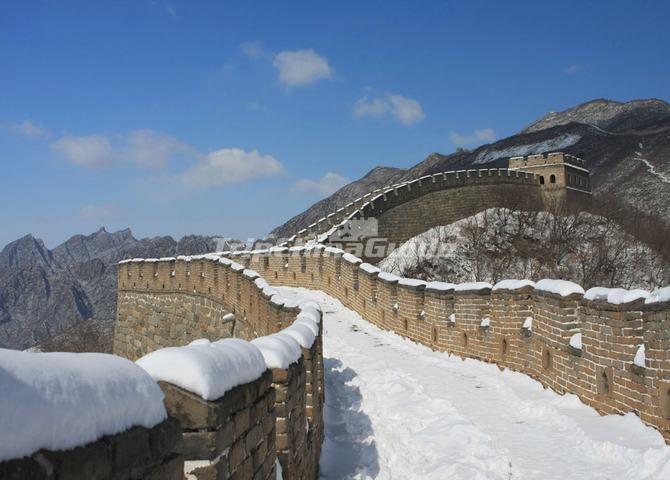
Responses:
[585,343]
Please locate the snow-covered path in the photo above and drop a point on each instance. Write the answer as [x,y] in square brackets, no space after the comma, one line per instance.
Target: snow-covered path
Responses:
[395,409]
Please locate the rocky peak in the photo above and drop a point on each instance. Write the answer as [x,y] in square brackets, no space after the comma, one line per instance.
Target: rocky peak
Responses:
[607,115]
[25,252]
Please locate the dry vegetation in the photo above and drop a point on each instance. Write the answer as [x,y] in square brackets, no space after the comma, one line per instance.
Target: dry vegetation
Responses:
[609,246]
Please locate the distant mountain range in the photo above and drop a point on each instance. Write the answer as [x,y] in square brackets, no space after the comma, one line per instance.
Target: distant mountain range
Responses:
[46,292]
[627,145]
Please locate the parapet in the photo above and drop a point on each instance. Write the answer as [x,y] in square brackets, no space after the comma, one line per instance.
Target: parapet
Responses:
[547,159]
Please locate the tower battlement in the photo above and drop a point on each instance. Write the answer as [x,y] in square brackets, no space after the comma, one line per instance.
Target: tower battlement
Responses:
[556,170]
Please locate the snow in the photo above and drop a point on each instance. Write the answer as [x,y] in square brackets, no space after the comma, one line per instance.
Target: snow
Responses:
[447,253]
[389,277]
[252,274]
[659,295]
[513,284]
[348,257]
[366,267]
[528,324]
[236,266]
[552,144]
[411,282]
[398,410]
[486,322]
[559,287]
[663,178]
[576,341]
[440,286]
[208,369]
[615,296]
[452,318]
[279,350]
[640,357]
[60,401]
[470,286]
[301,333]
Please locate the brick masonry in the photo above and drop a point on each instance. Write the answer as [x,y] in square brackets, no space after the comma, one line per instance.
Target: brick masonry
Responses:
[406,210]
[138,453]
[172,302]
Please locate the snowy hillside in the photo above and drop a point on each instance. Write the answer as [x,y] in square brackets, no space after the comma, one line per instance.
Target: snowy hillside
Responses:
[499,243]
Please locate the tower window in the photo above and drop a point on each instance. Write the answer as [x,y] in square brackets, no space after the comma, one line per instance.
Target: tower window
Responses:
[552,179]
[541,180]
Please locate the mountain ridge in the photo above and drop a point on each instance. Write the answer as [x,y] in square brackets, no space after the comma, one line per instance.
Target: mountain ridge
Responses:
[44,292]
[641,129]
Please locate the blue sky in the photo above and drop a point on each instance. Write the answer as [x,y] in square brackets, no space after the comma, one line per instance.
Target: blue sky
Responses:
[230,117]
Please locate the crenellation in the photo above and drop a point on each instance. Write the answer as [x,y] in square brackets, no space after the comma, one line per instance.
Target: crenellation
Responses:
[524,329]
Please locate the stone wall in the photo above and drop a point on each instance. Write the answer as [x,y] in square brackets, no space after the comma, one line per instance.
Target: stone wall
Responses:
[171,302]
[525,329]
[408,209]
[231,437]
[138,453]
[149,320]
[601,373]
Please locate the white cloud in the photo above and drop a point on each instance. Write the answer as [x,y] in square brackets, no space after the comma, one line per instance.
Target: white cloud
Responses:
[145,148]
[230,165]
[29,129]
[572,69]
[404,109]
[324,186]
[302,67]
[149,148]
[252,49]
[92,151]
[487,135]
[101,212]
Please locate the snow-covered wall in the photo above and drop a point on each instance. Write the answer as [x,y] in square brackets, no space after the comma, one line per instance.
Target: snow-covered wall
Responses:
[164,308]
[407,209]
[516,324]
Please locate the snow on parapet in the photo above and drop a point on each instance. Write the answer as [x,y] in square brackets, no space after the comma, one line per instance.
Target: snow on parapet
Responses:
[348,257]
[559,287]
[659,295]
[615,296]
[411,282]
[59,401]
[513,284]
[236,267]
[388,277]
[472,286]
[440,286]
[279,350]
[368,268]
[208,369]
[252,274]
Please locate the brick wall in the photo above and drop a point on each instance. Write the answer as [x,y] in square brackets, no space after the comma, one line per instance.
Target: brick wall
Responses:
[146,453]
[602,373]
[172,302]
[231,437]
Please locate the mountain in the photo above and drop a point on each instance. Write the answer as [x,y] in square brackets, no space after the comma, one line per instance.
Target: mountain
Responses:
[44,293]
[498,243]
[627,145]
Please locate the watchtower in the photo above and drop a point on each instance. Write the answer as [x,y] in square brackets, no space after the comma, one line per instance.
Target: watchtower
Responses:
[556,171]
